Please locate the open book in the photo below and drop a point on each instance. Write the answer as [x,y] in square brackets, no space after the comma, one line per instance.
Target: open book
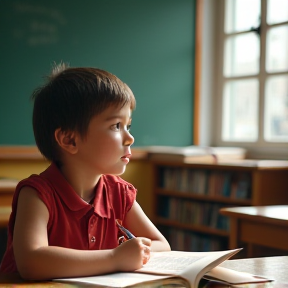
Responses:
[173,268]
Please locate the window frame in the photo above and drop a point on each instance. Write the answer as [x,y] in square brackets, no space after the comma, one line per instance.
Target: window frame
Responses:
[212,84]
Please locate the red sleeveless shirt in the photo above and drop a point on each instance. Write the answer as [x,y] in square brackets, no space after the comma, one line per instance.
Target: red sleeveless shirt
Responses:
[73,223]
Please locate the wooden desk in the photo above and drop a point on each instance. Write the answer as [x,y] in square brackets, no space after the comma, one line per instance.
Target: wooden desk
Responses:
[260,225]
[274,267]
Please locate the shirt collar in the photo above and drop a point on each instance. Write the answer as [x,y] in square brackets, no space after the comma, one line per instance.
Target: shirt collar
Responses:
[72,200]
[101,201]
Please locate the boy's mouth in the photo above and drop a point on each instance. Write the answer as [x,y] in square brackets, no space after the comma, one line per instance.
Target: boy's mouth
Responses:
[126,158]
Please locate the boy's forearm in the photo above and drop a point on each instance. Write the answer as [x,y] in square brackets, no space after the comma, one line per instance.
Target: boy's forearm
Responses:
[57,262]
[160,245]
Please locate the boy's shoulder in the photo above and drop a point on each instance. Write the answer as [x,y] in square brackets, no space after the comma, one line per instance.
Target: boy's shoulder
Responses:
[116,180]
[34,179]
[117,188]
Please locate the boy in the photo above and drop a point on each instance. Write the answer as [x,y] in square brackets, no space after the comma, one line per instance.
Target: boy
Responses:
[63,221]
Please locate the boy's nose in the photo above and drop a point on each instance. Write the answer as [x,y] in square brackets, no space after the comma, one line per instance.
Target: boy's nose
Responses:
[129,139]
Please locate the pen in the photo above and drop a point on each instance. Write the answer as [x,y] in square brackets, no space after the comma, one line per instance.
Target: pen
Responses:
[125,231]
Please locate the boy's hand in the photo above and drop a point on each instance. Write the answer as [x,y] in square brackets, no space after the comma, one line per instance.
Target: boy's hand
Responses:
[147,242]
[132,254]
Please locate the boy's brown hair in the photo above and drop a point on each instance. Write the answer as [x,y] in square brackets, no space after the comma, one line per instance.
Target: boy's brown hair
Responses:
[69,99]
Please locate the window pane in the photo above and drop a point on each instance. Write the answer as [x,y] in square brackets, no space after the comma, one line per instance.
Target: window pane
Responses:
[242,55]
[276,109]
[277,49]
[277,11]
[240,111]
[241,15]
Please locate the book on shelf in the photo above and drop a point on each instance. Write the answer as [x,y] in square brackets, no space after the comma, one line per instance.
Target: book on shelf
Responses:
[228,184]
[195,154]
[188,240]
[192,212]
[173,268]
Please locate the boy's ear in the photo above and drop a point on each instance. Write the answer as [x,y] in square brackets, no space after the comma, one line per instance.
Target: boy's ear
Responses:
[66,140]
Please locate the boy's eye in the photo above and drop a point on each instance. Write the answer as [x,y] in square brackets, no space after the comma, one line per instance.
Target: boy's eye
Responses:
[116,127]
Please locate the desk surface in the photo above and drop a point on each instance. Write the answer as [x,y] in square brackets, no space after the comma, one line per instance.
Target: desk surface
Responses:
[274,267]
[270,213]
[258,226]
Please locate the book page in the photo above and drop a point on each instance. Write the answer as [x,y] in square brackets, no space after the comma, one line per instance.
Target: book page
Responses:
[169,267]
[175,262]
[230,276]
[188,265]
[117,280]
[170,263]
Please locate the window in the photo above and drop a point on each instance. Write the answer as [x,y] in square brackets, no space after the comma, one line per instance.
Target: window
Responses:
[252,76]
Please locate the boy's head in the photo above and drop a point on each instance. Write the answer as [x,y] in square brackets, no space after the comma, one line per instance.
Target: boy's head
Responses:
[69,99]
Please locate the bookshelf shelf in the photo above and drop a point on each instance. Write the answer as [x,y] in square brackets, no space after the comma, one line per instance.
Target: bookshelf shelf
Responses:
[196,228]
[188,197]
[218,199]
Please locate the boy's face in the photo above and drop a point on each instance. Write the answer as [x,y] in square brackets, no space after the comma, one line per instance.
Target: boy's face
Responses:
[106,147]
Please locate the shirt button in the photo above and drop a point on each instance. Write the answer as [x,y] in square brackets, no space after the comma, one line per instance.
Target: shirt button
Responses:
[93,239]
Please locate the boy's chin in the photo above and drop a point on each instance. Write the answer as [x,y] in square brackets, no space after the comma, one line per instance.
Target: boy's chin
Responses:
[120,171]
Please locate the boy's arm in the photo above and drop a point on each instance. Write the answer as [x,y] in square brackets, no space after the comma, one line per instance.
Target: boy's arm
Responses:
[141,226]
[37,260]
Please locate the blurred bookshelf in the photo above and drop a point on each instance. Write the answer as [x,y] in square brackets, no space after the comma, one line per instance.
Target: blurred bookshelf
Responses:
[188,197]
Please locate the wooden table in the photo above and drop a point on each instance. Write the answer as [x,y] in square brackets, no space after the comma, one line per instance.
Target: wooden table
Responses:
[274,267]
[260,225]
[271,267]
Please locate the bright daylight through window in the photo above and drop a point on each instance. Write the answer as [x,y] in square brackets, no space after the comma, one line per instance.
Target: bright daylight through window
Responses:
[255,71]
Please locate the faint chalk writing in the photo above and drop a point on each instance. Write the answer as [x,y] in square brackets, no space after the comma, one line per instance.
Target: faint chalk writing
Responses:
[40,10]
[38,25]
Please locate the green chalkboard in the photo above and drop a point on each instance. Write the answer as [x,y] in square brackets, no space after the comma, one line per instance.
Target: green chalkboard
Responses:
[149,44]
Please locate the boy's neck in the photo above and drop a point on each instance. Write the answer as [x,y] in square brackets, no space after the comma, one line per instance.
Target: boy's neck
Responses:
[81,182]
